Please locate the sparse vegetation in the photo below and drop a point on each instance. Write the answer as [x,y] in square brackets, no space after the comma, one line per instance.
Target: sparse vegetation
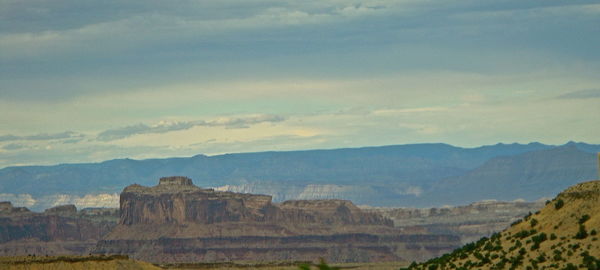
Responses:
[322,265]
[559,204]
[582,233]
[547,240]
[533,222]
[584,218]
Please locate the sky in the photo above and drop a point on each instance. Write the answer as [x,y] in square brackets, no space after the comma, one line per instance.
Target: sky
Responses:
[90,80]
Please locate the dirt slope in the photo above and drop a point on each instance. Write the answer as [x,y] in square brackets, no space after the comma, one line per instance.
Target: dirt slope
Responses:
[563,235]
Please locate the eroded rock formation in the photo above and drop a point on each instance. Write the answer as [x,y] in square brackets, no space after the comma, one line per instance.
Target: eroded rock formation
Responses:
[177,221]
[59,230]
[470,222]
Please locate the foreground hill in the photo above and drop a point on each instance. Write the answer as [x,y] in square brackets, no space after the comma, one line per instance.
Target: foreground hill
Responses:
[563,235]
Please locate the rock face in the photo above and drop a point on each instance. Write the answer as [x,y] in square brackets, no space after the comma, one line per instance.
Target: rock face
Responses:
[68,210]
[470,222]
[176,200]
[59,230]
[176,221]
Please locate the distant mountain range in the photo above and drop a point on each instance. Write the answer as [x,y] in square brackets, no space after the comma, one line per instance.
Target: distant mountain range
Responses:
[398,175]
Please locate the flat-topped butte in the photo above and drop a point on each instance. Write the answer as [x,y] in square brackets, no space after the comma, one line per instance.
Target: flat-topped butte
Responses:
[176,221]
[172,184]
[177,200]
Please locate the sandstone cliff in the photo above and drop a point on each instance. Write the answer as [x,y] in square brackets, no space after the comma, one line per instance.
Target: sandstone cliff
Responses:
[178,204]
[59,230]
[176,221]
[470,222]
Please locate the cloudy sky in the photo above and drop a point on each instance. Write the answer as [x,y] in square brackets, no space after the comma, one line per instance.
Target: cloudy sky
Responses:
[92,80]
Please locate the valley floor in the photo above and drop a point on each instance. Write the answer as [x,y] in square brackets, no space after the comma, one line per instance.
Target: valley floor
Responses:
[124,263]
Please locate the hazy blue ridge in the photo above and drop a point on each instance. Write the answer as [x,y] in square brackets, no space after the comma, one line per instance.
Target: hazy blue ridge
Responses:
[414,174]
[529,176]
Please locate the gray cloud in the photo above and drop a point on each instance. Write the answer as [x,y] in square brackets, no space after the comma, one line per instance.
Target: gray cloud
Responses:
[41,137]
[13,146]
[107,47]
[243,122]
[140,43]
[86,153]
[164,127]
[581,94]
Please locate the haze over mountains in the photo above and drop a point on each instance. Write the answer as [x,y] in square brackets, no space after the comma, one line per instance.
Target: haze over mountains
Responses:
[415,175]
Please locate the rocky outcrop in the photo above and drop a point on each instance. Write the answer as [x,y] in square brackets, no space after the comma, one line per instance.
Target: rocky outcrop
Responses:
[177,221]
[59,230]
[470,222]
[6,209]
[68,210]
[177,201]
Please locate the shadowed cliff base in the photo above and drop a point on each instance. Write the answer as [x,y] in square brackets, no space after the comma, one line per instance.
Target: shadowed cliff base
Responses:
[285,265]
[74,263]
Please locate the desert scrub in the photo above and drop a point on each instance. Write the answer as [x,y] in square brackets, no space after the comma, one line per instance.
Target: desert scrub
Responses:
[321,266]
[559,204]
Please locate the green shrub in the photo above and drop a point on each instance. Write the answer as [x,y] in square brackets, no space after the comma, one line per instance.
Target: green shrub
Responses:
[559,204]
[321,266]
[537,239]
[582,233]
[584,218]
[516,222]
[533,222]
[590,262]
[541,258]
[570,266]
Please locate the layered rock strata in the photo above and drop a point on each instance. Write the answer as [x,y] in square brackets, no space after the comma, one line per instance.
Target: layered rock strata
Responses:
[470,222]
[177,221]
[59,230]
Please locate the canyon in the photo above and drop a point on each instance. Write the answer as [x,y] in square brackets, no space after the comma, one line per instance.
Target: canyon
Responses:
[56,231]
[176,221]
[469,222]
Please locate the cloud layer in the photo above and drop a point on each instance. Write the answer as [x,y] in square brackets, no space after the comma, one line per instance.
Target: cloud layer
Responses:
[92,80]
[582,94]
[164,127]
